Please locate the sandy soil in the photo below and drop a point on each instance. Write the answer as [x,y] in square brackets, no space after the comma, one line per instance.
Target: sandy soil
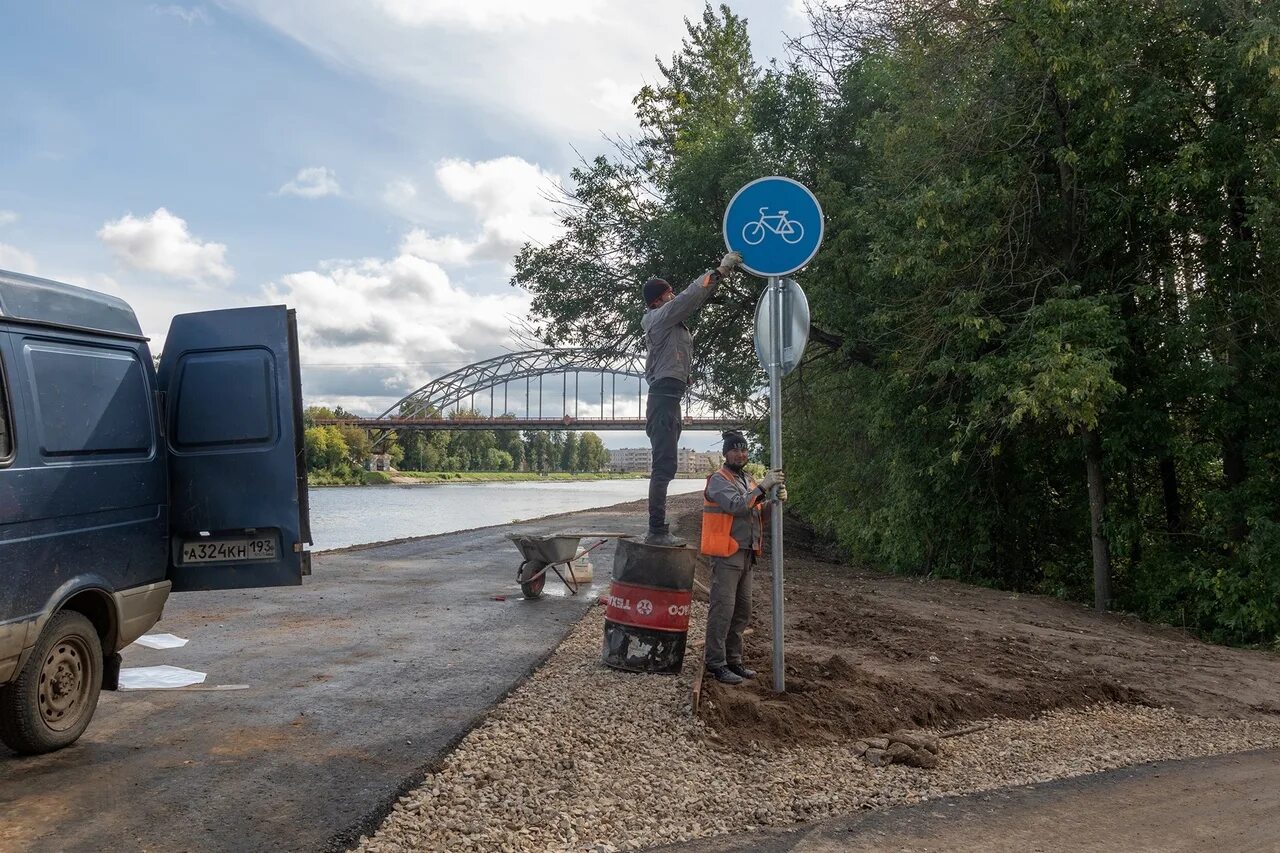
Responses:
[868,652]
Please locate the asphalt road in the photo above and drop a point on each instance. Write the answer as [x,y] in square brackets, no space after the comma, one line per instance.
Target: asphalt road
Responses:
[1227,803]
[358,683]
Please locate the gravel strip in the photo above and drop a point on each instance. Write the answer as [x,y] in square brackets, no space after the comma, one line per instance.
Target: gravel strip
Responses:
[582,758]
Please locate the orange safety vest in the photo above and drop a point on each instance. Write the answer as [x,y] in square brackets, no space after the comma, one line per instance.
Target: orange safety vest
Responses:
[717,524]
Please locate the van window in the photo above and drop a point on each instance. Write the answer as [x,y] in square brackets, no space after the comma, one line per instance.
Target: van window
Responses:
[241,413]
[6,436]
[89,401]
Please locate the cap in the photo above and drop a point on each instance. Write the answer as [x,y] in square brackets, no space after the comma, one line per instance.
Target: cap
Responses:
[653,290]
[733,440]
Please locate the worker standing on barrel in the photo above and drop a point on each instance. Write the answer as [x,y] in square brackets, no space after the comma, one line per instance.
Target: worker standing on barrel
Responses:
[667,368]
[733,514]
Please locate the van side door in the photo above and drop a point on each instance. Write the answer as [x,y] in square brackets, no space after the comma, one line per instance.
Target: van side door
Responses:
[232,412]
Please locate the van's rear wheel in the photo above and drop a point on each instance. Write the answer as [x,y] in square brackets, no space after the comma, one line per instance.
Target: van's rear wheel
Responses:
[53,699]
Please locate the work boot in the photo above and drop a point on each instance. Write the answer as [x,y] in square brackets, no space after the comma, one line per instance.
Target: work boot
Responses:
[725,674]
[739,669]
[663,539]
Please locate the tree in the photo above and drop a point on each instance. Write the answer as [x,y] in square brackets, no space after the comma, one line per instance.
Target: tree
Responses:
[1044,340]
[497,460]
[414,446]
[359,446]
[569,452]
[592,455]
[326,449]
[510,442]
[555,457]
[539,450]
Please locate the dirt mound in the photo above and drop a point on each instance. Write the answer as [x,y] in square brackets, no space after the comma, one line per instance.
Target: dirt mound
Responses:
[868,653]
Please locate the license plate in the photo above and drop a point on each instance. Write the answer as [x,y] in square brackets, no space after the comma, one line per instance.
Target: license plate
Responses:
[229,550]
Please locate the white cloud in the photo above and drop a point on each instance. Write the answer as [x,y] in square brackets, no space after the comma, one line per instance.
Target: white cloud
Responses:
[488,14]
[312,182]
[161,243]
[192,15]
[16,260]
[536,66]
[400,192]
[512,201]
[614,99]
[448,250]
[7,217]
[400,314]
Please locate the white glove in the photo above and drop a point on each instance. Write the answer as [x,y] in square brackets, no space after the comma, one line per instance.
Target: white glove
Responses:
[729,262]
[773,478]
[782,494]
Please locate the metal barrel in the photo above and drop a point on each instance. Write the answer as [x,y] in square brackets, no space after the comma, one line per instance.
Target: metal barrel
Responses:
[647,621]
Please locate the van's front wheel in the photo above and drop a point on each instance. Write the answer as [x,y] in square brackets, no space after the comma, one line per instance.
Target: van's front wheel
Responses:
[53,699]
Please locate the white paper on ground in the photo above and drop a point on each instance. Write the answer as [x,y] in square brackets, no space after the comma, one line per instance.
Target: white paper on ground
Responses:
[139,677]
[160,641]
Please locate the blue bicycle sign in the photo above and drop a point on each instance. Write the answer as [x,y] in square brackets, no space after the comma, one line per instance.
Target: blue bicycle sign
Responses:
[788,229]
[776,224]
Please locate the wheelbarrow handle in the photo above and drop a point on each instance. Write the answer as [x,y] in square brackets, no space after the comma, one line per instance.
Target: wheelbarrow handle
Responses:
[585,551]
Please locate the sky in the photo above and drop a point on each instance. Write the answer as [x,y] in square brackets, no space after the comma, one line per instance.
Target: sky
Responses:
[374,164]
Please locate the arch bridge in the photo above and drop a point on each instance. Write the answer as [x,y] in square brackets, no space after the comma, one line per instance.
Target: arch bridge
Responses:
[592,406]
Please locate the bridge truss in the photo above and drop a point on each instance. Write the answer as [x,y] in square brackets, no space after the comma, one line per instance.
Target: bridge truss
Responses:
[429,407]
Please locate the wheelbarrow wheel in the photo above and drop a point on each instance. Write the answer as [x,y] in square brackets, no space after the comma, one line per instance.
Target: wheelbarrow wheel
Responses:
[532,589]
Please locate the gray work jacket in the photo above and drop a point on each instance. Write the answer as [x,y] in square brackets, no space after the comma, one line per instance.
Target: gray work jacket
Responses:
[741,498]
[670,345]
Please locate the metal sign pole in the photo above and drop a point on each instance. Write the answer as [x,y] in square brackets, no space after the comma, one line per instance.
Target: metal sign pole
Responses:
[775,462]
[773,245]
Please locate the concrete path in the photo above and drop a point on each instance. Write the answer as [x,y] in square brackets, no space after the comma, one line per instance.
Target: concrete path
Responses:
[358,682]
[1226,804]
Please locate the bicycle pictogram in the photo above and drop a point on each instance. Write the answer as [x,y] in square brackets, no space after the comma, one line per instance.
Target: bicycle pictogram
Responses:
[789,230]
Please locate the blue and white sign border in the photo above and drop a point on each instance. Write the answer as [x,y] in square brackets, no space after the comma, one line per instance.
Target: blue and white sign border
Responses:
[724,225]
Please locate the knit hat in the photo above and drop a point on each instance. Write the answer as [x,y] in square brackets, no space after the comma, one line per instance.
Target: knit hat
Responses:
[733,440]
[653,290]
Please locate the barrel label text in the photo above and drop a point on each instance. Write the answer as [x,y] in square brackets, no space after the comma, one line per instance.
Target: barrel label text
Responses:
[646,607]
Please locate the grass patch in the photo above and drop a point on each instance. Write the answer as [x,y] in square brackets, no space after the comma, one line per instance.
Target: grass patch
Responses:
[335,478]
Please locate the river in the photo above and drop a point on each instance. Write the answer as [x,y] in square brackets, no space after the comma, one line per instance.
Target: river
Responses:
[354,515]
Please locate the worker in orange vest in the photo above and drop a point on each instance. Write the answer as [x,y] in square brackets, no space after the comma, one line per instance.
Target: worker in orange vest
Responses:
[733,513]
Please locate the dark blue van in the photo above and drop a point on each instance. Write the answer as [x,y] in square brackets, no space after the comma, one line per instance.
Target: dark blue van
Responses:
[121,482]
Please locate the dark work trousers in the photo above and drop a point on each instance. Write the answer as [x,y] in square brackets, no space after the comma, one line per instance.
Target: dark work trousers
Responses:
[662,425]
[730,608]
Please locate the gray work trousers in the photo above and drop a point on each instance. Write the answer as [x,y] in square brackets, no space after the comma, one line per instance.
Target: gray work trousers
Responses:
[730,608]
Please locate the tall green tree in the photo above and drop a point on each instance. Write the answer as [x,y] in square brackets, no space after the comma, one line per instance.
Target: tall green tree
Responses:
[539,452]
[1045,309]
[592,455]
[569,452]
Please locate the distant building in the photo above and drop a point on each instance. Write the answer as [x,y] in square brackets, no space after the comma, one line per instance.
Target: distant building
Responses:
[640,459]
[629,459]
[698,462]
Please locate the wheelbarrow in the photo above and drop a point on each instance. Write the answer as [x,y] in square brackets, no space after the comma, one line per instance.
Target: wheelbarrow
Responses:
[553,552]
